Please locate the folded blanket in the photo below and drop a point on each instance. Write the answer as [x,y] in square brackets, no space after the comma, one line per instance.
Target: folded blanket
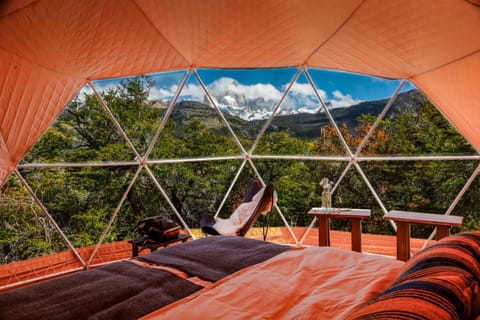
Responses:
[126,290]
[120,290]
[214,258]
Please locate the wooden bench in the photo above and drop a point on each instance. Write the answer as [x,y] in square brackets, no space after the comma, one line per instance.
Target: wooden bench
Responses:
[142,243]
[354,215]
[403,219]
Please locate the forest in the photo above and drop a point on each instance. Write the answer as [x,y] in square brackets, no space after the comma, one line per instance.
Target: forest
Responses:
[83,199]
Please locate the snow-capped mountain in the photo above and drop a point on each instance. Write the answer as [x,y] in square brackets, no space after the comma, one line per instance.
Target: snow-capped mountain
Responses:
[236,104]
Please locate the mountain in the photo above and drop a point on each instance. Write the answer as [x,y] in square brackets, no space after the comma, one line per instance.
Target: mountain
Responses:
[236,104]
[186,110]
[307,125]
[302,125]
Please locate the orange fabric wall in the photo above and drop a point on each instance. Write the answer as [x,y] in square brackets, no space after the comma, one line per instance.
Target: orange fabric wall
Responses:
[50,48]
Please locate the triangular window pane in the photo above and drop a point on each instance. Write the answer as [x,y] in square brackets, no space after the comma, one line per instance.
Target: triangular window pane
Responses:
[81,200]
[301,126]
[297,186]
[467,207]
[25,231]
[139,103]
[247,97]
[142,201]
[353,100]
[194,129]
[413,127]
[83,132]
[193,194]
[419,186]
[29,241]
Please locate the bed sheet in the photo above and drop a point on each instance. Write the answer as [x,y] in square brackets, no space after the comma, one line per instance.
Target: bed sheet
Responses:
[306,283]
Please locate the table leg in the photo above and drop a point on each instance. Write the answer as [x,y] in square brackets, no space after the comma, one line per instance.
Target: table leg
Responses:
[323,231]
[403,241]
[134,250]
[442,232]
[356,234]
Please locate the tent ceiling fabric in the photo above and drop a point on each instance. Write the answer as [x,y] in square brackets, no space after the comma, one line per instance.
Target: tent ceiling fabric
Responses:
[50,48]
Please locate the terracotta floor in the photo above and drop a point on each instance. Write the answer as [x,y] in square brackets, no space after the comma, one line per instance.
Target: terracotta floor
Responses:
[371,243]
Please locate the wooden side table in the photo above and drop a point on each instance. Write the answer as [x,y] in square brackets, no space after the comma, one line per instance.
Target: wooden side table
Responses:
[355,215]
[403,219]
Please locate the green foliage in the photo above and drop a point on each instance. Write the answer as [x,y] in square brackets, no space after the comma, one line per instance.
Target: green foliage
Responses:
[83,200]
[25,232]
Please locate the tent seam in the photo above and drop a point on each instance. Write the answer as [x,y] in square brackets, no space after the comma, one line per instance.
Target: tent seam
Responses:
[2,140]
[42,66]
[160,33]
[334,33]
[446,63]
[474,2]
[18,9]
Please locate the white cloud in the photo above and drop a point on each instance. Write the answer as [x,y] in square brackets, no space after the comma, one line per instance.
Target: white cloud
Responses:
[194,91]
[99,86]
[305,90]
[259,90]
[86,90]
[103,86]
[300,94]
[162,94]
[342,100]
[190,91]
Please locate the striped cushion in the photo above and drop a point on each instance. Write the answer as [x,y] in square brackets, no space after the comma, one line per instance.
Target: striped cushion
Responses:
[440,282]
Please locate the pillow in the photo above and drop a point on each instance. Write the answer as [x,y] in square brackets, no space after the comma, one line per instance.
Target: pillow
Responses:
[440,282]
[460,252]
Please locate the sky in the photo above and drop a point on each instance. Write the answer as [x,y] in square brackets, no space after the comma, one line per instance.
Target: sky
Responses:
[340,89]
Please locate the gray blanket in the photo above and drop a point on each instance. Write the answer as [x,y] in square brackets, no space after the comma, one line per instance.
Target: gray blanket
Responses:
[123,290]
[214,258]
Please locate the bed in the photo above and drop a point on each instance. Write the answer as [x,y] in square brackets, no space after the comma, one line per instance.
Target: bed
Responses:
[228,277]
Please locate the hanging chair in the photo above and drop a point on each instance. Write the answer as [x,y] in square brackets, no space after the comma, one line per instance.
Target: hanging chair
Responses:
[258,201]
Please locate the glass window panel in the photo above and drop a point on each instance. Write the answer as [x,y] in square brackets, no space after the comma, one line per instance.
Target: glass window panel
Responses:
[414,127]
[139,103]
[301,127]
[247,97]
[25,231]
[83,132]
[419,186]
[467,207]
[81,200]
[298,186]
[353,100]
[193,194]
[194,129]
[143,200]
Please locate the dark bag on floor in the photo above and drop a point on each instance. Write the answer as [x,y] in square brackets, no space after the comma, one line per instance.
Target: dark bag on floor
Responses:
[158,228]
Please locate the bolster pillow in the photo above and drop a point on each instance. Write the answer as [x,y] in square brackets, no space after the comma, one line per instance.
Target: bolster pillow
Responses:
[440,282]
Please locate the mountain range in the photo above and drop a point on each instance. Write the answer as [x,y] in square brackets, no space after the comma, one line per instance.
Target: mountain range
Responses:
[302,125]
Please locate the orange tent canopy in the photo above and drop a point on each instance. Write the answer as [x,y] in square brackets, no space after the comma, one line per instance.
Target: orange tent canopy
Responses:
[50,48]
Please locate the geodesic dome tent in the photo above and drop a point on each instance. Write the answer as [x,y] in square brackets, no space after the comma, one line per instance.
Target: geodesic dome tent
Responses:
[51,49]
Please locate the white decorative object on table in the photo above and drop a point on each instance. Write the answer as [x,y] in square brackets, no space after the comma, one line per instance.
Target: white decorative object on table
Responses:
[327,193]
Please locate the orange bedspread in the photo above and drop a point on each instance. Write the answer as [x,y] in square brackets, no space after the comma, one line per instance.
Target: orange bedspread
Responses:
[308,283]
